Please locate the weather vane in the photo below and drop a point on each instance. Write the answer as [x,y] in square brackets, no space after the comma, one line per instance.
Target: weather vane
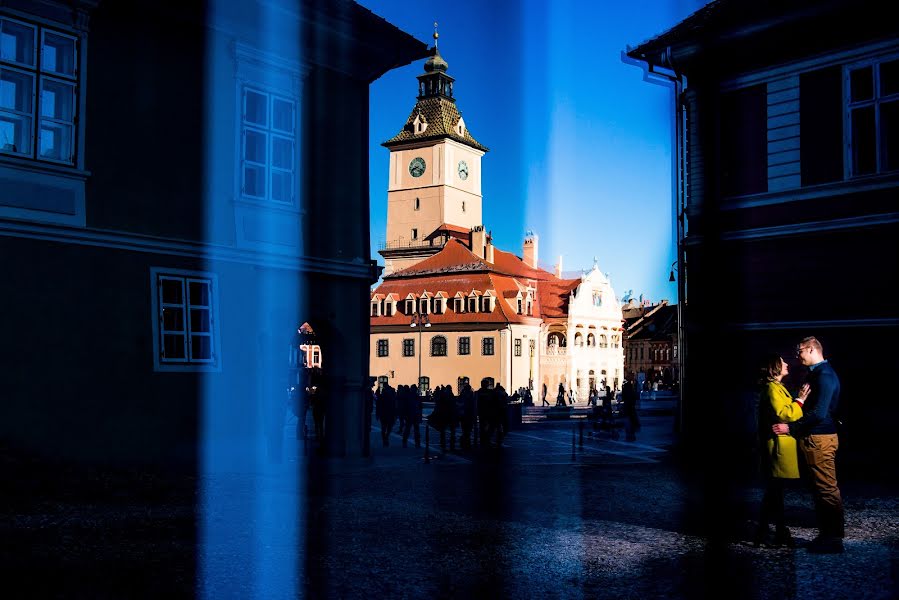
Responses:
[436,35]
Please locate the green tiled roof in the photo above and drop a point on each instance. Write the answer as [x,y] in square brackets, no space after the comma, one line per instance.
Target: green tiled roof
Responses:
[441,115]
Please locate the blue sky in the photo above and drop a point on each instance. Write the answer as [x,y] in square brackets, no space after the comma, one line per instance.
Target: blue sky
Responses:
[580,146]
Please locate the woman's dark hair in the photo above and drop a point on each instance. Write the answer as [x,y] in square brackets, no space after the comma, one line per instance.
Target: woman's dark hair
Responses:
[770,367]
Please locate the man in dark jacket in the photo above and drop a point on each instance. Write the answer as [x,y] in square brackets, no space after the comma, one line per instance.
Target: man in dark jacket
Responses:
[628,408]
[485,409]
[386,412]
[816,432]
[468,415]
[412,407]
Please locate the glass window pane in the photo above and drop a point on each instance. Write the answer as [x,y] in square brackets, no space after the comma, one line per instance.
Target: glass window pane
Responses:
[16,90]
[171,291]
[15,133]
[282,153]
[861,84]
[173,346]
[889,135]
[889,78]
[16,42]
[200,347]
[282,115]
[254,180]
[199,320]
[256,108]
[57,100]
[56,141]
[58,54]
[255,146]
[282,186]
[199,293]
[172,319]
[863,141]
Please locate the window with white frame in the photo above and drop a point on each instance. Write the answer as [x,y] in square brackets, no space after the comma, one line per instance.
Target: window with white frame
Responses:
[38,91]
[185,325]
[872,94]
[268,152]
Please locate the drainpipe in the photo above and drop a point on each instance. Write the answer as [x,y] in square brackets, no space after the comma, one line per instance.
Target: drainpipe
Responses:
[669,75]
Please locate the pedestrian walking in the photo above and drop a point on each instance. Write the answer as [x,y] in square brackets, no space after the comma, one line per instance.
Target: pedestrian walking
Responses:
[386,412]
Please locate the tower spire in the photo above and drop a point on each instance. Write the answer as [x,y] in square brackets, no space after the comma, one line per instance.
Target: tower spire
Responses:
[436,35]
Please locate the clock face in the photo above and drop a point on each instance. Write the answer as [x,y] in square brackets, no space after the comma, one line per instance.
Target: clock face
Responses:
[417,167]
[463,170]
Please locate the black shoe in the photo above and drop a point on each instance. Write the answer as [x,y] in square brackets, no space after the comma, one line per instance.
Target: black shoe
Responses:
[825,545]
[783,538]
[760,539]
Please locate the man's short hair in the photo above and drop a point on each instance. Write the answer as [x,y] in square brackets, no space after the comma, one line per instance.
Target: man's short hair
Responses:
[813,342]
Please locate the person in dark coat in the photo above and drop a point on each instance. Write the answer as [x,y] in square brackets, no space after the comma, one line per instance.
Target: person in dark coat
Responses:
[500,415]
[560,397]
[629,409]
[318,401]
[445,404]
[544,403]
[386,412]
[413,418]
[485,409]
[468,414]
[402,406]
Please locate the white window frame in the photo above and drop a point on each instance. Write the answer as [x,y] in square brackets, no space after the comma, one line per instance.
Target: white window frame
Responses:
[160,363]
[270,132]
[39,77]
[875,101]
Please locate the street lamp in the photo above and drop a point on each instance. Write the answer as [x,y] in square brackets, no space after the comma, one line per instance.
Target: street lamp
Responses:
[424,321]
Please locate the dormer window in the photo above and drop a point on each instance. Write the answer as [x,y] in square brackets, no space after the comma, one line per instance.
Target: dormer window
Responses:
[459,305]
[460,127]
[530,308]
[389,309]
[419,125]
[519,306]
[423,306]
[487,304]
[410,306]
[376,309]
[473,304]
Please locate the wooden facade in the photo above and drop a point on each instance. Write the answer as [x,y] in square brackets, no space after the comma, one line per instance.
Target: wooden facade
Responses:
[786,201]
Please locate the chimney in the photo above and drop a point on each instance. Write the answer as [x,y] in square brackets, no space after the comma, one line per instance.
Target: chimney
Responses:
[529,251]
[559,268]
[478,241]
[489,253]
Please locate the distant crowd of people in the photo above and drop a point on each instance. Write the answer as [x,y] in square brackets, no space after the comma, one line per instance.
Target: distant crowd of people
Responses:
[481,416]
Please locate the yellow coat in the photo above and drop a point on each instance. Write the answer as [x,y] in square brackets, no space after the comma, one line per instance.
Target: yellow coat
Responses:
[777,406]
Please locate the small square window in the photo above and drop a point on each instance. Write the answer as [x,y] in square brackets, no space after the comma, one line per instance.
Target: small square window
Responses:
[185,334]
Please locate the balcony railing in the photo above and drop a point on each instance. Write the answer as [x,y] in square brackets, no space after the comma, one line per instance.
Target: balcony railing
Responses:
[555,351]
[439,242]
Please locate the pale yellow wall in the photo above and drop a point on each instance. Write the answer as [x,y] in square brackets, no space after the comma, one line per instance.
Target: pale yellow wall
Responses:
[442,370]
[440,190]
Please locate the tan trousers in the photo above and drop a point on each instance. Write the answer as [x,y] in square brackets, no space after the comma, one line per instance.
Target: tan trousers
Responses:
[820,452]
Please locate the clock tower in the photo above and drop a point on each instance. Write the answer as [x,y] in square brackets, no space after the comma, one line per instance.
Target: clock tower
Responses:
[434,183]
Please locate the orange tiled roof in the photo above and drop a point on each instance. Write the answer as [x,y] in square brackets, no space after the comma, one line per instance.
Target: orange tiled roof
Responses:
[455,270]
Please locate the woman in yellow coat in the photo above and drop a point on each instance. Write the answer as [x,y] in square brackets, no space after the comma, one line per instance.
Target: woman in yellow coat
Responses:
[781,460]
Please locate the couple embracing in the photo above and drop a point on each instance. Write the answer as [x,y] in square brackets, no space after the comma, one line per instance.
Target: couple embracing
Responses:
[807,425]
